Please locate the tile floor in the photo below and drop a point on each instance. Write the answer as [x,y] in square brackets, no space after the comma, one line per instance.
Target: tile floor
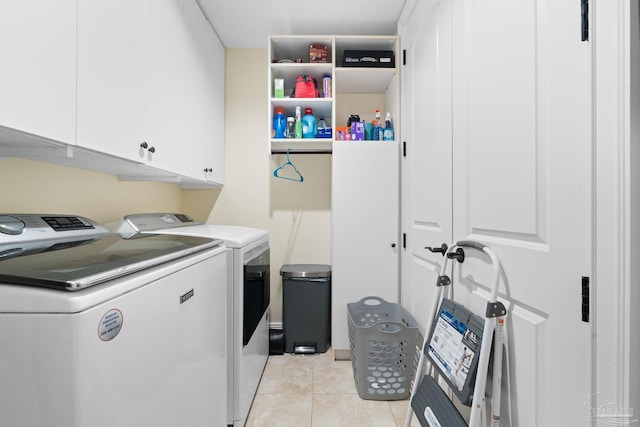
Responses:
[316,391]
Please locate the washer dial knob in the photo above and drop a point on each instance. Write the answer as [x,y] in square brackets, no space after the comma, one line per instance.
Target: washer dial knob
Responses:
[167,218]
[11,225]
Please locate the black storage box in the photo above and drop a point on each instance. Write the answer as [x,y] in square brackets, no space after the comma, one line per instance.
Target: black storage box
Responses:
[368,58]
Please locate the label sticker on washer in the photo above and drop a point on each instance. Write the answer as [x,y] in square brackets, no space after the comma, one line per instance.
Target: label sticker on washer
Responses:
[110,325]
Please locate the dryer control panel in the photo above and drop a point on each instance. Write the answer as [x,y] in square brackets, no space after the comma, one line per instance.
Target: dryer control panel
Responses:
[155,221]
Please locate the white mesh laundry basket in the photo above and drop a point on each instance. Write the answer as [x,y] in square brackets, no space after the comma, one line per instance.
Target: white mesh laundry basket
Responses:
[382,337]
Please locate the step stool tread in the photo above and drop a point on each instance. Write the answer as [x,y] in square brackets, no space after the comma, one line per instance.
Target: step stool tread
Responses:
[433,407]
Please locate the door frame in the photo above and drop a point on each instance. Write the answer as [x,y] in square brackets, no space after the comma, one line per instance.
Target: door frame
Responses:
[616,298]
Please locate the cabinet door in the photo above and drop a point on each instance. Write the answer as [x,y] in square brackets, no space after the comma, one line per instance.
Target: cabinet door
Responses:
[364,229]
[112,70]
[166,135]
[204,97]
[38,71]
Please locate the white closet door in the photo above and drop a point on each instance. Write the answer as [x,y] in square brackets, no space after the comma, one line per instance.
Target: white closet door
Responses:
[522,185]
[427,130]
[364,229]
[496,112]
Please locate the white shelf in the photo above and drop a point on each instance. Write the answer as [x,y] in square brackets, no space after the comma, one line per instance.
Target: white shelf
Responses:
[363,80]
[345,81]
[297,47]
[291,71]
[322,107]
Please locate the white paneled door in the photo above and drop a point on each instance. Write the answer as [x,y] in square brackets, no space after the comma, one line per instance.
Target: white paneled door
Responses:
[427,130]
[501,104]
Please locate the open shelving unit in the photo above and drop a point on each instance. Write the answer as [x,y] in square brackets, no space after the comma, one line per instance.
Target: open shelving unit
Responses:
[289,58]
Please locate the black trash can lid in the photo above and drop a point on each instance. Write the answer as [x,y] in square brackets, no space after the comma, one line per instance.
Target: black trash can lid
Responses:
[305,270]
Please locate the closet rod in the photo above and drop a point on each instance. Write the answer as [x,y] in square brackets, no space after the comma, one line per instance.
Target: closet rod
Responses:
[301,151]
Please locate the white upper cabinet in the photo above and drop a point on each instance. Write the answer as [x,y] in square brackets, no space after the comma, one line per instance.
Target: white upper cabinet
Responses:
[204,92]
[149,88]
[165,101]
[38,71]
[186,93]
[112,76]
[197,126]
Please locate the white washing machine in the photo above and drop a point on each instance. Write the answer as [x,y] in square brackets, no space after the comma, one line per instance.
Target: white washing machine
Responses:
[100,330]
[249,278]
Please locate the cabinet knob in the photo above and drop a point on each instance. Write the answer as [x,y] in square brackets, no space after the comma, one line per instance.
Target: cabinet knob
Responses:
[208,170]
[144,145]
[152,149]
[393,245]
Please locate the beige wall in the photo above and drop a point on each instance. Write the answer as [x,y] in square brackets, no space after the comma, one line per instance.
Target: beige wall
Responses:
[296,214]
[30,187]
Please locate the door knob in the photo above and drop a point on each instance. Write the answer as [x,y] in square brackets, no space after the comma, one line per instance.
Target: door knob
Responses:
[458,255]
[442,249]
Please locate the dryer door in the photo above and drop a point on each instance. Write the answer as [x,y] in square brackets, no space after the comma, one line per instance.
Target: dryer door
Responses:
[256,293]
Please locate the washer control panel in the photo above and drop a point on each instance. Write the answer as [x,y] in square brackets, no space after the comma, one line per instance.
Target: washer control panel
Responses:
[29,227]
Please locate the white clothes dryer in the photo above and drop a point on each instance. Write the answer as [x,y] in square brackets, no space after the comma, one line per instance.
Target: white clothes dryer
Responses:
[248,272]
[101,330]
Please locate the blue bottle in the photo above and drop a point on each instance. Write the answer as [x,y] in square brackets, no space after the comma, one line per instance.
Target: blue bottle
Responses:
[279,123]
[388,129]
[309,124]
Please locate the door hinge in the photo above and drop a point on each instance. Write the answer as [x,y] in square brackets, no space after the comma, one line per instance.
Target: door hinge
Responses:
[584,18]
[404,148]
[585,299]
[404,240]
[404,56]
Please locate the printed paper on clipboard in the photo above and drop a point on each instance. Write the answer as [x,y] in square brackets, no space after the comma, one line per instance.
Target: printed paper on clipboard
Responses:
[452,348]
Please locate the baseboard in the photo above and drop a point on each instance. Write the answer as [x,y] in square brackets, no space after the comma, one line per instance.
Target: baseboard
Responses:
[342,354]
[275,325]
